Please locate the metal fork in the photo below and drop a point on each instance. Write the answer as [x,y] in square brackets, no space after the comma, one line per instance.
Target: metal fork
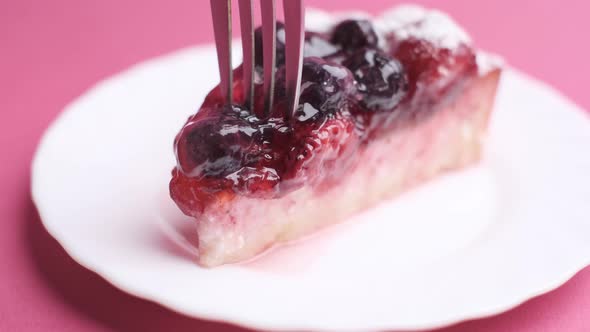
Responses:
[221,11]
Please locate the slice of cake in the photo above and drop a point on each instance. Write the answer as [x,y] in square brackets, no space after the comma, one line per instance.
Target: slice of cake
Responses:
[386,104]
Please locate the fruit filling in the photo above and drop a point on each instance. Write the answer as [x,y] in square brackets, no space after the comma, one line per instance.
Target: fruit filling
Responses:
[357,85]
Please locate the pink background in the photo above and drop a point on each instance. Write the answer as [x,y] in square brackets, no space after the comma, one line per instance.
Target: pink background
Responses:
[51,51]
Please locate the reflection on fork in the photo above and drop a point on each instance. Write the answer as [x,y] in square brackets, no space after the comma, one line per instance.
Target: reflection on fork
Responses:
[221,11]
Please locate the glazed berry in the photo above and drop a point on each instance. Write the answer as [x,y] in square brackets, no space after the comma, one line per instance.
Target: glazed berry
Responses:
[355,34]
[321,144]
[280,44]
[381,80]
[325,88]
[224,141]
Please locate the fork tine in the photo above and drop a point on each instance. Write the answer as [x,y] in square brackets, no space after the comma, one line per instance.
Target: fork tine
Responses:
[269,32]
[294,36]
[221,12]
[247,26]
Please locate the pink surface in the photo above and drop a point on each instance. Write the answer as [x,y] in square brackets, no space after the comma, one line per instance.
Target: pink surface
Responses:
[52,51]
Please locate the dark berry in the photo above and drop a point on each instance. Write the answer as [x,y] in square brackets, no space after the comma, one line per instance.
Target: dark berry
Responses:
[280,44]
[381,80]
[354,34]
[225,141]
[325,88]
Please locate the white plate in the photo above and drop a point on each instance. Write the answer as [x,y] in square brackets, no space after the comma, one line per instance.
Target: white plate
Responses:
[470,244]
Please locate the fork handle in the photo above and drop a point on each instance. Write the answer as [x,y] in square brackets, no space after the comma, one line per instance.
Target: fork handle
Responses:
[222,26]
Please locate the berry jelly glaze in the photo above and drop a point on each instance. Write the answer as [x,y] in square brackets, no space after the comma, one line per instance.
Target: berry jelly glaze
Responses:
[352,91]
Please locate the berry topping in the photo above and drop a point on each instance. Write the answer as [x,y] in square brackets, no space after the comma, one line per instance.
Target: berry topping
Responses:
[352,91]
[354,34]
[431,67]
[325,88]
[380,79]
[227,148]
[323,150]
[225,141]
